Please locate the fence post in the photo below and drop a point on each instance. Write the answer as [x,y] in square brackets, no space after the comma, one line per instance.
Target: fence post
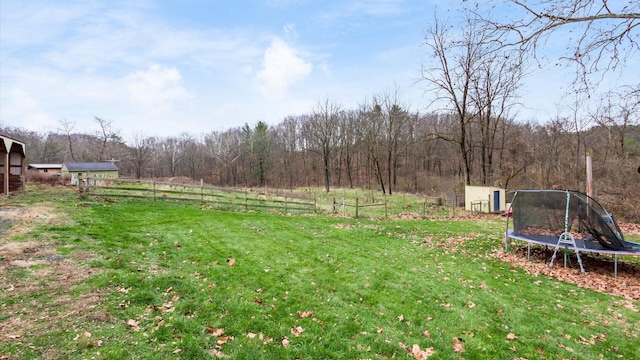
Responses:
[424,208]
[286,204]
[334,204]
[356,207]
[201,192]
[154,189]
[246,201]
[385,208]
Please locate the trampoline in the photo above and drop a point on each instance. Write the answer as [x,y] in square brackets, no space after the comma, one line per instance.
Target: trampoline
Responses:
[567,220]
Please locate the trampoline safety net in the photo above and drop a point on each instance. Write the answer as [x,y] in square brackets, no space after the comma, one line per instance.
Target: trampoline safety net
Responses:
[549,213]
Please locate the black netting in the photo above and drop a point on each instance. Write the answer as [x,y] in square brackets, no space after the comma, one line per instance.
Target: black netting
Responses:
[544,213]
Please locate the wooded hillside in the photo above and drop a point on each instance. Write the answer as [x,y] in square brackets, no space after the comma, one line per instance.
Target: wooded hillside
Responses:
[379,146]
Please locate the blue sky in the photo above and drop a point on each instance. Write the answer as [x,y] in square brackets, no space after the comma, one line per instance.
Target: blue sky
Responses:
[167,67]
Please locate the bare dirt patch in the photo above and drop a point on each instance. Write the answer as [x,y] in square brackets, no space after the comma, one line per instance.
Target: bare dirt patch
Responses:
[23,219]
[31,269]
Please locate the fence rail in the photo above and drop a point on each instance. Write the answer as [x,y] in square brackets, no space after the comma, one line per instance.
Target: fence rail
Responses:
[205,194]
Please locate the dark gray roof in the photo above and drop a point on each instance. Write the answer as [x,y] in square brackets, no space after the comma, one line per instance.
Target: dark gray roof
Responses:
[92,166]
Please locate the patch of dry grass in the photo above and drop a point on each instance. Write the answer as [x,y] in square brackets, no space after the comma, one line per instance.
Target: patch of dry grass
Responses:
[31,268]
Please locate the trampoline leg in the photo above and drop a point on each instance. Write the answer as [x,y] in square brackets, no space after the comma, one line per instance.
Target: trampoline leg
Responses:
[545,253]
[528,251]
[615,266]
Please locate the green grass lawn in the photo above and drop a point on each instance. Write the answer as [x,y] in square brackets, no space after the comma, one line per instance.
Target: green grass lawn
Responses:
[170,280]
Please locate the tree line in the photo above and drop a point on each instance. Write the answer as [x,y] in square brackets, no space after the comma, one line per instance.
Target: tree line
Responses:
[380,145]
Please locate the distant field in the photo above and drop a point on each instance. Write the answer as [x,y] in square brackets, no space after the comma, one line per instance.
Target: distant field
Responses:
[136,278]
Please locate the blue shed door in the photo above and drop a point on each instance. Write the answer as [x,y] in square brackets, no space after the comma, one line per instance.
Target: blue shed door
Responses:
[496,201]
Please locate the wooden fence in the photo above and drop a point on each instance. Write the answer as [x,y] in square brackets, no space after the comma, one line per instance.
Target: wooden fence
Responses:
[224,198]
[364,205]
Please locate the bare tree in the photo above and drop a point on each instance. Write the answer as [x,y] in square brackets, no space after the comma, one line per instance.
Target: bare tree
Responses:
[370,130]
[395,119]
[451,79]
[600,34]
[288,143]
[105,134]
[190,148]
[170,154]
[140,151]
[348,142]
[494,95]
[67,127]
[322,134]
[225,148]
[617,112]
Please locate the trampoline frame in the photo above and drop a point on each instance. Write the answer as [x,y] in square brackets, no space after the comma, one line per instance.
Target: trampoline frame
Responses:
[566,240]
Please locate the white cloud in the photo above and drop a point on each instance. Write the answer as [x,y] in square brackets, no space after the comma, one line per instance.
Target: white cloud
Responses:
[282,68]
[156,88]
[25,106]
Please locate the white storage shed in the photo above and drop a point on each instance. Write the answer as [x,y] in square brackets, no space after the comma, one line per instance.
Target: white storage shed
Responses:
[486,199]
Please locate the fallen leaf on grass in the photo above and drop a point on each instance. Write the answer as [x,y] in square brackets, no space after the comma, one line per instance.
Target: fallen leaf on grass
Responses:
[177,351]
[215,332]
[231,261]
[297,331]
[222,341]
[285,342]
[251,335]
[471,304]
[133,324]
[217,353]
[258,300]
[417,352]
[511,336]
[422,354]
[265,339]
[457,345]
[560,345]
[305,314]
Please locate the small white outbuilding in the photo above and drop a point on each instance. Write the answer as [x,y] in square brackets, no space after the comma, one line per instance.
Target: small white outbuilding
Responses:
[486,199]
